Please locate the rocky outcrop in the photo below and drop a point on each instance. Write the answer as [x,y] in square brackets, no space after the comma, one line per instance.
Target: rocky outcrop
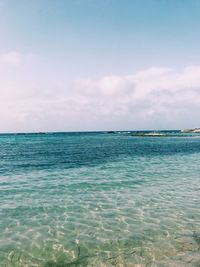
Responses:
[196,130]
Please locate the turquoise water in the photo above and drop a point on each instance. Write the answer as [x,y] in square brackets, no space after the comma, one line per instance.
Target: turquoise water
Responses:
[98,199]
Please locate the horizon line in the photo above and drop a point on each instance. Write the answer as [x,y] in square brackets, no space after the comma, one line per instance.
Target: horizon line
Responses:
[90,131]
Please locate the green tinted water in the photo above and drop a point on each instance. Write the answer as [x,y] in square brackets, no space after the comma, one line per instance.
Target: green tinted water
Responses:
[99,200]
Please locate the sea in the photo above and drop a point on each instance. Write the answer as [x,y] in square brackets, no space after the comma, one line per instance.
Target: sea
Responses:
[100,199]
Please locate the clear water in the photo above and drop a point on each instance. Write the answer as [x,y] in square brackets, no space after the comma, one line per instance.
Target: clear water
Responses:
[97,199]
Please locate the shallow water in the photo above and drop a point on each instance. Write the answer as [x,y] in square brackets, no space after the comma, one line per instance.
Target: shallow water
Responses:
[97,199]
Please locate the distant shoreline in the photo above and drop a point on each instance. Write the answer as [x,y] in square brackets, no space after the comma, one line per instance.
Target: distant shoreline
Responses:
[141,133]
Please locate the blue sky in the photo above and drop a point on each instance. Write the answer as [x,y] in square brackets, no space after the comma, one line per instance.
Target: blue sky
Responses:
[53,52]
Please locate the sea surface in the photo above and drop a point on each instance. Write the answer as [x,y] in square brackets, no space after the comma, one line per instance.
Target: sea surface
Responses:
[99,199]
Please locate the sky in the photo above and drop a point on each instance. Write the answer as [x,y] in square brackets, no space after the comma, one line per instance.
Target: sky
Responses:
[91,65]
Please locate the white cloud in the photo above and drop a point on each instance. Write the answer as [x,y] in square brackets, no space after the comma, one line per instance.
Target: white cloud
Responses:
[10,58]
[152,98]
[108,86]
[15,59]
[32,99]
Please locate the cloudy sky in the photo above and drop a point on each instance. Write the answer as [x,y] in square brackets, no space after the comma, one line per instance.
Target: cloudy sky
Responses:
[74,65]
